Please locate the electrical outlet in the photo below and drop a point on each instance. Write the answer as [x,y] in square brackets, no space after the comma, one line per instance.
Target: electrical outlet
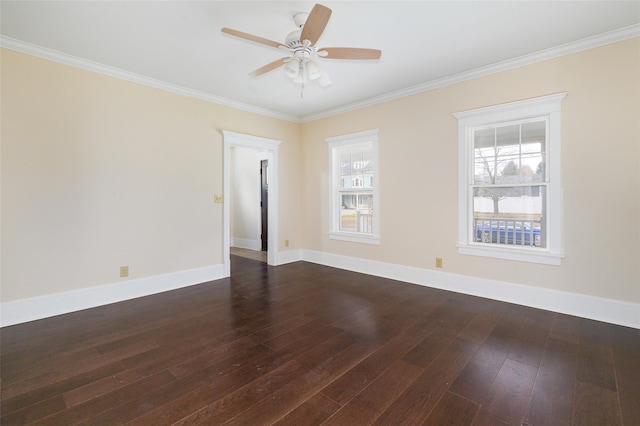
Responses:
[124,271]
[217,198]
[438,262]
[286,243]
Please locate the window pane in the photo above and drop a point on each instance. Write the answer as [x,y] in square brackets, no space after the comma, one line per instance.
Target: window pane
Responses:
[534,132]
[510,154]
[345,167]
[365,202]
[510,215]
[486,156]
[348,220]
[349,201]
[356,166]
[508,135]
[507,151]
[356,212]
[534,140]
[356,174]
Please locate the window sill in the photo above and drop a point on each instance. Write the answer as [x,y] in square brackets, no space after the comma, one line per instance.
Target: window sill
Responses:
[355,238]
[519,254]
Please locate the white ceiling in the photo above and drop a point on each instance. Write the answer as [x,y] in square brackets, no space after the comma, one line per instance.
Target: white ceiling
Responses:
[423,42]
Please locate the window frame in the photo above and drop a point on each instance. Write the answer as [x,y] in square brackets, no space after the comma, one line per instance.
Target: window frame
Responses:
[353,139]
[548,107]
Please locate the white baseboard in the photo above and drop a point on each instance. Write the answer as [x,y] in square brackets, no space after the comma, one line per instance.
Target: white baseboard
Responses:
[607,310]
[246,243]
[289,256]
[35,308]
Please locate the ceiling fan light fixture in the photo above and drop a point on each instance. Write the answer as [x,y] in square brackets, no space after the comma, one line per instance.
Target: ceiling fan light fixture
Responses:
[314,71]
[292,68]
[302,75]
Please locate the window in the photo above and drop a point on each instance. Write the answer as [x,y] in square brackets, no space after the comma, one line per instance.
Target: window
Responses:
[510,200]
[354,198]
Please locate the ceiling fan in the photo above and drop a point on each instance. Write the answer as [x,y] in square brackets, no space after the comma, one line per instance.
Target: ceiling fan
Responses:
[301,63]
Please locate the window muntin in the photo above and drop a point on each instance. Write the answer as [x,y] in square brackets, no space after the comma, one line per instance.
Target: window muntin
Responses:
[509,189]
[353,164]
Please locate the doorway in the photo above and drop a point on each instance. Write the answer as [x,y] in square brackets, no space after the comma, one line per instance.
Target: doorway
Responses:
[264,203]
[270,148]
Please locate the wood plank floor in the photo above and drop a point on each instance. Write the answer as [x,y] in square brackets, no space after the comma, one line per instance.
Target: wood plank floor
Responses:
[250,254]
[304,344]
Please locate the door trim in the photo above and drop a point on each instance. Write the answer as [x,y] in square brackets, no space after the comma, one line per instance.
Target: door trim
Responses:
[233,139]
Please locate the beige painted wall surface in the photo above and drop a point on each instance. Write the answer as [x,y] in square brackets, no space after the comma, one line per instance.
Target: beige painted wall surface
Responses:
[418,174]
[99,172]
[245,194]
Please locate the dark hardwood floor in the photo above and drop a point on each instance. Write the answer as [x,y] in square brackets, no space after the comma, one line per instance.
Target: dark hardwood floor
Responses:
[303,344]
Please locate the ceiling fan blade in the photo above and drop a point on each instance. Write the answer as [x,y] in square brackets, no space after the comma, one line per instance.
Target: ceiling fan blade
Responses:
[316,22]
[269,67]
[349,53]
[252,37]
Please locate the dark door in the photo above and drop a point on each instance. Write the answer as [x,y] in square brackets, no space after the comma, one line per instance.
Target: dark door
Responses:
[264,203]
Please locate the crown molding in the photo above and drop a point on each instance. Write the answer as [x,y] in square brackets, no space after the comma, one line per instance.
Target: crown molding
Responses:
[74,61]
[543,55]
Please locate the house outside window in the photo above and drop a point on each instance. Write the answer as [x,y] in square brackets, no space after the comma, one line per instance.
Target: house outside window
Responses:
[510,200]
[354,213]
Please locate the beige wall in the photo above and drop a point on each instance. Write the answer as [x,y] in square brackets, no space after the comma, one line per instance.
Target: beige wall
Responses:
[418,174]
[99,172]
[245,194]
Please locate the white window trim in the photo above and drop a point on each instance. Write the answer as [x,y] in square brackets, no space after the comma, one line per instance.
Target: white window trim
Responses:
[369,136]
[548,106]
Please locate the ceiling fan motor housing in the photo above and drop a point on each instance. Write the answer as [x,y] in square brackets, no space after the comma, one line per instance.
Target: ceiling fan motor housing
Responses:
[299,49]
